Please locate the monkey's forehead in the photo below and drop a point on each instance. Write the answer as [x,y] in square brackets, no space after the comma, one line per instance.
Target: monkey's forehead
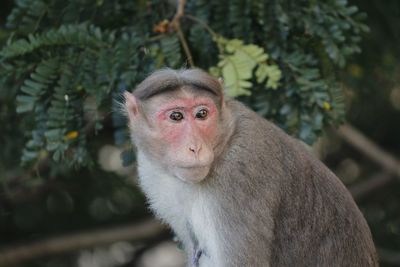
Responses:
[169,80]
[186,96]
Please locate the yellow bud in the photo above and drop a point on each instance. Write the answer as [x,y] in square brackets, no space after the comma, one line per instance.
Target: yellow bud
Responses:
[71,135]
[326,106]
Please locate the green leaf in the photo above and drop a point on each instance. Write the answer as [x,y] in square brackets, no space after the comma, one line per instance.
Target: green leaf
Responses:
[237,63]
[171,49]
[25,107]
[25,103]
[29,155]
[54,134]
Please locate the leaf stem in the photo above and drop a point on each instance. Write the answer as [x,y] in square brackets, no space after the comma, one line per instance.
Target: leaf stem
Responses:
[177,27]
[203,24]
[185,46]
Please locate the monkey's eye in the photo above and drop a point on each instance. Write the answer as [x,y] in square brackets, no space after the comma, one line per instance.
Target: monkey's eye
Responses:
[202,114]
[176,116]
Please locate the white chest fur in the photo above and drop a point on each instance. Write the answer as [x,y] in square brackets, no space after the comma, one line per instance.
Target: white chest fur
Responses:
[185,207]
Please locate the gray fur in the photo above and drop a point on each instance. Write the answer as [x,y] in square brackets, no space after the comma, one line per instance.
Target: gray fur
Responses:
[311,215]
[267,201]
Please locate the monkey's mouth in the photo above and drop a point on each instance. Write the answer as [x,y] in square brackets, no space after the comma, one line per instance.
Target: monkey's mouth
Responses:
[194,166]
[195,173]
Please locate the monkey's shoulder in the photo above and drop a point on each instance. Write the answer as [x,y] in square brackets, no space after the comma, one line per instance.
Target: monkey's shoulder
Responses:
[259,137]
[259,148]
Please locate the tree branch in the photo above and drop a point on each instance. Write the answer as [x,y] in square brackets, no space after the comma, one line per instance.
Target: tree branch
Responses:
[388,162]
[203,24]
[376,181]
[146,230]
[180,10]
[370,149]
[175,23]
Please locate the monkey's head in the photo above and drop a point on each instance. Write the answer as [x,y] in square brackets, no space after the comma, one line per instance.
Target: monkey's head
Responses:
[175,120]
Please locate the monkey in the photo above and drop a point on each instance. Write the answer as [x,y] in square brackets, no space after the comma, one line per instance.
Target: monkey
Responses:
[236,189]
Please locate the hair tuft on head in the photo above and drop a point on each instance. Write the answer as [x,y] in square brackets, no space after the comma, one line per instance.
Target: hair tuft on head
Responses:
[168,79]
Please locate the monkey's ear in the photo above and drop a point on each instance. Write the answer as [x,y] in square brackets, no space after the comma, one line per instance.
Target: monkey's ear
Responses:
[131,105]
[221,83]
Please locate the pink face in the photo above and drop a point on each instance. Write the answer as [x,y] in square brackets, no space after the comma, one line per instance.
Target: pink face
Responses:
[187,126]
[182,130]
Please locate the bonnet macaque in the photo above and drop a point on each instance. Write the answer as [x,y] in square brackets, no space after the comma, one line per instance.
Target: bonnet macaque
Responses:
[237,190]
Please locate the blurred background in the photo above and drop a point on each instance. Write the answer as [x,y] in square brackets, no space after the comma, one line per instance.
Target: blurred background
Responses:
[327,72]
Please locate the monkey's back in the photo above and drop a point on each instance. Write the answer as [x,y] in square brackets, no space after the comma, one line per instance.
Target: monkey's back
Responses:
[293,210]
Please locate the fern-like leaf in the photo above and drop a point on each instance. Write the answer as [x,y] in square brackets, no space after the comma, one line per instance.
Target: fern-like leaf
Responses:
[238,61]
[80,35]
[33,87]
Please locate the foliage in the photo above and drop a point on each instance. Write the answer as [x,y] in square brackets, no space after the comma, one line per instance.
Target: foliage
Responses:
[236,65]
[65,65]
[69,69]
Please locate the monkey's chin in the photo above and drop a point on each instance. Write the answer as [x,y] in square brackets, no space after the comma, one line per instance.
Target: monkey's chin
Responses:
[192,174]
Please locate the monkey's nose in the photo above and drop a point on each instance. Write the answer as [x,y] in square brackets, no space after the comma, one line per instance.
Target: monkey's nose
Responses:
[195,149]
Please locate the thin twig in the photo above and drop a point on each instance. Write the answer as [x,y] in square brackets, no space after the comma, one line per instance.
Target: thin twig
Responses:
[389,163]
[203,24]
[185,46]
[371,184]
[180,10]
[155,38]
[175,23]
